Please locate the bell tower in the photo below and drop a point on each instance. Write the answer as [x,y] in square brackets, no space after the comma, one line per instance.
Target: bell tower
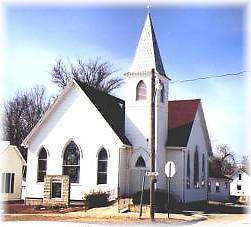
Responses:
[138,96]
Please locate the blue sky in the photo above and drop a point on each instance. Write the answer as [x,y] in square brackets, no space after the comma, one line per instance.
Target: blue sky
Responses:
[194,41]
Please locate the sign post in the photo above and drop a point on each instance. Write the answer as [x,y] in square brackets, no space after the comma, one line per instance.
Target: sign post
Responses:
[169,171]
[141,196]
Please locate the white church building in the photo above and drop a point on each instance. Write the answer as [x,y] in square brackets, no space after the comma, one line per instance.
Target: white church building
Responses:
[102,142]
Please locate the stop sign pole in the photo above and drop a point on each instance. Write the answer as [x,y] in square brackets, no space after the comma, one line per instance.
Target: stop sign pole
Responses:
[169,188]
[170,171]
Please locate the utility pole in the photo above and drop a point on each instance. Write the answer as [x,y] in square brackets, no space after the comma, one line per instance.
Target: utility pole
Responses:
[152,144]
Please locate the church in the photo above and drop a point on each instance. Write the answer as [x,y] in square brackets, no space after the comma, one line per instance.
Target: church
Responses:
[90,140]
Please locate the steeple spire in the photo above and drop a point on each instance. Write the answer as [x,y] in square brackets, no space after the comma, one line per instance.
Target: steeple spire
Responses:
[147,55]
[148,6]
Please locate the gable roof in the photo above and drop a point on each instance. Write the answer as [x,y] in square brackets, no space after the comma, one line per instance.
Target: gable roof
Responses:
[181,114]
[10,148]
[236,172]
[110,107]
[4,145]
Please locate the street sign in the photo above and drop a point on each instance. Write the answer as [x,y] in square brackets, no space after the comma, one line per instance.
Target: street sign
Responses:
[152,174]
[170,169]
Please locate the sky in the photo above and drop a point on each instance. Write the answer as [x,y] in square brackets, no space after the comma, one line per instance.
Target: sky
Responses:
[193,41]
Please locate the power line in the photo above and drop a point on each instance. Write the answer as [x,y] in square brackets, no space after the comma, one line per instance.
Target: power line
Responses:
[210,77]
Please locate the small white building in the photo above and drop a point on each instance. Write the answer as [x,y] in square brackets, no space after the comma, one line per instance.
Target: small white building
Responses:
[219,189]
[102,142]
[11,172]
[241,184]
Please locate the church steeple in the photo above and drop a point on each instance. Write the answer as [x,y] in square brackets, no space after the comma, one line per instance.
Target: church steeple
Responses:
[147,55]
[138,98]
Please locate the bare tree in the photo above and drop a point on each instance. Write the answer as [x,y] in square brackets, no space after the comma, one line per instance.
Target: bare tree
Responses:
[223,162]
[95,73]
[22,113]
[245,163]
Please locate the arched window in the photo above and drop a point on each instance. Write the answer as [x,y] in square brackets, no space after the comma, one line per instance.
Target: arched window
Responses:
[141,91]
[203,165]
[42,165]
[162,93]
[188,170]
[102,167]
[203,170]
[140,162]
[209,186]
[196,168]
[71,162]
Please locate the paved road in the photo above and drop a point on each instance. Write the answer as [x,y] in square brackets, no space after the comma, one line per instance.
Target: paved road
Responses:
[220,220]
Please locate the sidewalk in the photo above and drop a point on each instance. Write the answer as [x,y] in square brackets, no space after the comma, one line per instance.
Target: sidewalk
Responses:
[104,215]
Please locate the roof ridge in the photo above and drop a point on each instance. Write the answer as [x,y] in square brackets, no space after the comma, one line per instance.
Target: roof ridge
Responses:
[110,107]
[97,90]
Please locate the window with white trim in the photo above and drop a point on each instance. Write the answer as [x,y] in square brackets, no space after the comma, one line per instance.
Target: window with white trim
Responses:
[71,162]
[42,165]
[56,189]
[217,187]
[140,162]
[7,184]
[196,168]
[209,186]
[141,91]
[188,170]
[203,170]
[102,167]
[162,93]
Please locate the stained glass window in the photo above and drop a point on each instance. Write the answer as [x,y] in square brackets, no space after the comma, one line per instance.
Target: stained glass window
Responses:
[71,162]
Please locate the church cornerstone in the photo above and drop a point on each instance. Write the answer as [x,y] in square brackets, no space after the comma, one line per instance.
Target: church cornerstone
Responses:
[56,190]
